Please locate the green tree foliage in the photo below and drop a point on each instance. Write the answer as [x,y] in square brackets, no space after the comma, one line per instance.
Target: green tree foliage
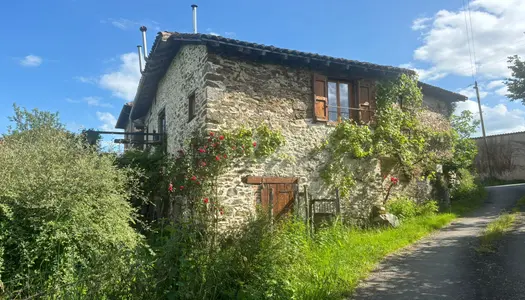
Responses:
[516,83]
[65,223]
[465,149]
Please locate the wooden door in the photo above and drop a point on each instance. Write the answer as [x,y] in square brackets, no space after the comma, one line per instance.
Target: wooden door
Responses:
[280,191]
[282,196]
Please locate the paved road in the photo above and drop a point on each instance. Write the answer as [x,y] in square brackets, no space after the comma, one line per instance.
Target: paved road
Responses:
[446,265]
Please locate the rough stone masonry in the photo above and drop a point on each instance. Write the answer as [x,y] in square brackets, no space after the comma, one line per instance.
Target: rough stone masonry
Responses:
[231,92]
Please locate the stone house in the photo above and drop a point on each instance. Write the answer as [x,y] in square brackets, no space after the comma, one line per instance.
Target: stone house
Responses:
[199,81]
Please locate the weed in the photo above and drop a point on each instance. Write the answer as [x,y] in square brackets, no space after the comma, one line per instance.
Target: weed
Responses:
[494,231]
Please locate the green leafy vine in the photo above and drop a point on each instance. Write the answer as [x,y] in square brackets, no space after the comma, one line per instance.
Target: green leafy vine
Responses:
[398,135]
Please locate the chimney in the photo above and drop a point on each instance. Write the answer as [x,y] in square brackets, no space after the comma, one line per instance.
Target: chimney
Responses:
[139,49]
[143,29]
[194,8]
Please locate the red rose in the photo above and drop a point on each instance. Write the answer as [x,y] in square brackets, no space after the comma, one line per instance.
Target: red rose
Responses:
[212,133]
[170,187]
[206,200]
[217,157]
[203,164]
[225,156]
[198,183]
[254,144]
[201,150]
[215,145]
[221,211]
[193,178]
[181,187]
[221,137]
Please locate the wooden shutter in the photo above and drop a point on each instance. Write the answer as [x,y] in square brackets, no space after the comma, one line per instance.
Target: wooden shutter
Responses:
[367,100]
[320,98]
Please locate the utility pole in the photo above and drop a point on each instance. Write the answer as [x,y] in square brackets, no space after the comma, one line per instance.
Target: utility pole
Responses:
[483,127]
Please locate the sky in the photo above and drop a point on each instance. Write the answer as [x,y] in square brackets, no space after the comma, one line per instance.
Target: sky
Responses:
[78,57]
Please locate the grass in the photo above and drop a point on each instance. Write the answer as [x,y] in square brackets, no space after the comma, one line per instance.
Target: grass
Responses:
[497,228]
[338,258]
[494,231]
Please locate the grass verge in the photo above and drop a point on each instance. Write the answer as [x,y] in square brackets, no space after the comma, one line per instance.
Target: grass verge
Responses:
[494,231]
[338,258]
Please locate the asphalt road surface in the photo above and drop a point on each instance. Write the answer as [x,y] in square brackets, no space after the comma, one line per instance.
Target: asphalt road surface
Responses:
[446,264]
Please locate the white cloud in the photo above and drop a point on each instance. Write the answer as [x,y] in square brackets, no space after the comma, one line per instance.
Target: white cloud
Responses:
[495,84]
[123,81]
[90,101]
[470,92]
[420,23]
[498,119]
[108,121]
[125,24]
[31,61]
[503,91]
[85,79]
[498,33]
[425,75]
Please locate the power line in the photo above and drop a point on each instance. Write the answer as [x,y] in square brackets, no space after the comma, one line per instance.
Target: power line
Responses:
[472,37]
[472,64]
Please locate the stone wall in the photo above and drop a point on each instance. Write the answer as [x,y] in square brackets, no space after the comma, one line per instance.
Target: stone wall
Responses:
[232,93]
[507,156]
[184,77]
[248,93]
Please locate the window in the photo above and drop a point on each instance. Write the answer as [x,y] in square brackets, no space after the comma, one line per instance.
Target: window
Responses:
[162,137]
[336,100]
[162,122]
[339,100]
[191,107]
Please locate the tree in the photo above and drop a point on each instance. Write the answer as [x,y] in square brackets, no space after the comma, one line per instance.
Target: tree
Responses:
[516,84]
[464,148]
[65,222]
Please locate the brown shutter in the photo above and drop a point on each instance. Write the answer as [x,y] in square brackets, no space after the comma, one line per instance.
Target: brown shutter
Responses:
[367,100]
[320,98]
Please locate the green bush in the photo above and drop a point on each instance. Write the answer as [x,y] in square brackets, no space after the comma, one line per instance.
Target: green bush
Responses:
[402,207]
[405,208]
[428,208]
[467,194]
[250,263]
[65,223]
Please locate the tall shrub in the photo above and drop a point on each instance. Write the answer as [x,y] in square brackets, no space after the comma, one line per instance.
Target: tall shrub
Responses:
[66,224]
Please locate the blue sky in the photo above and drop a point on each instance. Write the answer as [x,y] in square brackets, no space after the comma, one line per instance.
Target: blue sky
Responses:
[78,57]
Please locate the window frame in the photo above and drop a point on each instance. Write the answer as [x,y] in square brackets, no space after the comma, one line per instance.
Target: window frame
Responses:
[351,99]
[192,106]
[161,122]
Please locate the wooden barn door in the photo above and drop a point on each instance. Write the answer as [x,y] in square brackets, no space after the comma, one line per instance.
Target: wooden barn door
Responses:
[280,192]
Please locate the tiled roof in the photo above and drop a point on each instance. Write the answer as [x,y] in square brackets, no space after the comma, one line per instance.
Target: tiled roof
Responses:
[123,118]
[167,44]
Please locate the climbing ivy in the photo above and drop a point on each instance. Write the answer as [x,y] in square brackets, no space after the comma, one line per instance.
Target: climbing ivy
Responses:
[397,135]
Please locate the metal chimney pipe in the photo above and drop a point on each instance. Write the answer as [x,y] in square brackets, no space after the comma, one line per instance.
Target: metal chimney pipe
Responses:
[139,49]
[194,8]
[143,29]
